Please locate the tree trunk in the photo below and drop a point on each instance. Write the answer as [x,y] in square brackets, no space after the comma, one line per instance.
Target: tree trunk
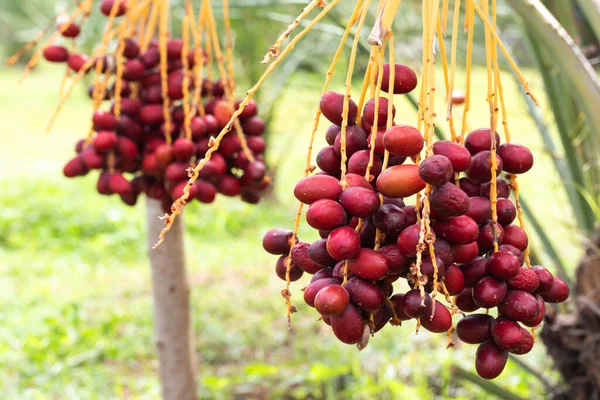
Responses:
[573,340]
[172,322]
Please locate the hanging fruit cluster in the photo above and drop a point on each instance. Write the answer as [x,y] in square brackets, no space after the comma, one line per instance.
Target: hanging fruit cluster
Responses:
[157,106]
[403,218]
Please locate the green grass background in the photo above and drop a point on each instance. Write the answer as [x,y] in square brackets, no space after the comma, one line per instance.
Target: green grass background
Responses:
[75,295]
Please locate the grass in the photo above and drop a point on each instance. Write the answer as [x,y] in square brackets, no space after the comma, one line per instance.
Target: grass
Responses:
[75,300]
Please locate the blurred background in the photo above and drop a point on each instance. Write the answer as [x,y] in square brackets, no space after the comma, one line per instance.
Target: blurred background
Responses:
[75,291]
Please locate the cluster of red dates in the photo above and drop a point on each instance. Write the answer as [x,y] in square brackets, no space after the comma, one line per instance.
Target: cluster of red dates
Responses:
[129,147]
[372,238]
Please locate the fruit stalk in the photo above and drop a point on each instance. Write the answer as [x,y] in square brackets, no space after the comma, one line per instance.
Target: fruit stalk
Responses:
[469,23]
[348,86]
[198,32]
[275,49]
[186,75]
[492,100]
[163,34]
[228,45]
[510,60]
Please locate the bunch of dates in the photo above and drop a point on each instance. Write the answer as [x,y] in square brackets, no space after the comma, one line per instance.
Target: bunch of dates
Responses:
[371,240]
[130,150]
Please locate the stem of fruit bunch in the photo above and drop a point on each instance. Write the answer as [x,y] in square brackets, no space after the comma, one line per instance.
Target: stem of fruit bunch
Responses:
[130,24]
[198,32]
[390,119]
[173,328]
[141,25]
[187,114]
[430,124]
[135,30]
[208,44]
[469,23]
[67,74]
[510,60]
[492,100]
[445,7]
[99,87]
[348,91]
[421,118]
[494,123]
[150,26]
[515,188]
[430,11]
[228,45]
[369,76]
[275,48]
[443,56]
[225,79]
[110,162]
[180,203]
[455,22]
[386,13]
[163,36]
[127,27]
[501,98]
[375,127]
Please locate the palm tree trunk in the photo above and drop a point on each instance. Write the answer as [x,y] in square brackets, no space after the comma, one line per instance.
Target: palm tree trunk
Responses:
[172,325]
